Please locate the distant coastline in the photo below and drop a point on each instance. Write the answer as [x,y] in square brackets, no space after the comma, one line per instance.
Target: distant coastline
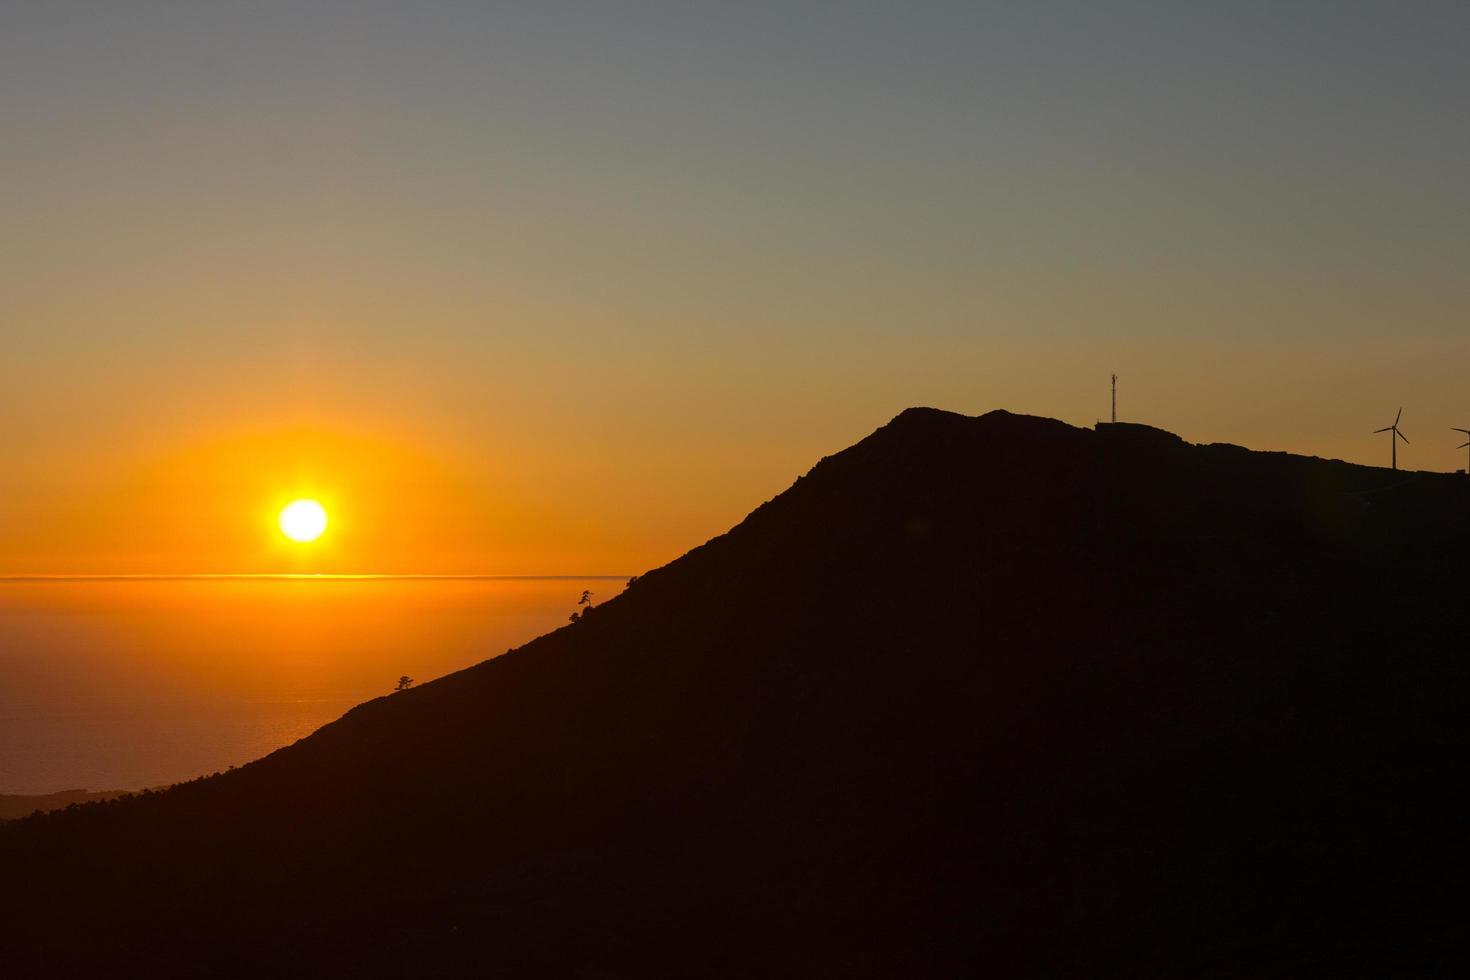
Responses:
[13,806]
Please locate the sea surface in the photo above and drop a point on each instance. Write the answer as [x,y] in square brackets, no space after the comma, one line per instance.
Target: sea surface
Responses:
[124,684]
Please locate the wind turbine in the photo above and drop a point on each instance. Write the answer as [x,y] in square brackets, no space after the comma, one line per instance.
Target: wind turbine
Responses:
[1394,439]
[1467,432]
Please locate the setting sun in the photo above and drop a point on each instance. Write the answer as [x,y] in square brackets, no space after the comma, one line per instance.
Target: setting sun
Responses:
[303,520]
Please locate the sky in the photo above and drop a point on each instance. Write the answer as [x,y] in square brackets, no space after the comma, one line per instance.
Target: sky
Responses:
[568,288]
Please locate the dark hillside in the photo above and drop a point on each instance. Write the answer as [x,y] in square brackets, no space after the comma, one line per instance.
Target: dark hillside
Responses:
[976,696]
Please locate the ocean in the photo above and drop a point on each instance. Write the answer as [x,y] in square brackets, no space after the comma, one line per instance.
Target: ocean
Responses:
[130,683]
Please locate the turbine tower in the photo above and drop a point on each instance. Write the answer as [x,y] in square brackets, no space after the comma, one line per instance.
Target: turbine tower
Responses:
[1467,433]
[1115,398]
[1395,437]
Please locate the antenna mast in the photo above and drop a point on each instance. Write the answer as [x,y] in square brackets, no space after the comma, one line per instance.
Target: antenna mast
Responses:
[1115,398]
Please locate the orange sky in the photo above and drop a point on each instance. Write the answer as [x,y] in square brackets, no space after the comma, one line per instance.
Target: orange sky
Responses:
[515,292]
[605,472]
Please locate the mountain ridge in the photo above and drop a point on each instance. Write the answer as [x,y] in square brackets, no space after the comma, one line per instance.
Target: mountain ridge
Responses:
[983,690]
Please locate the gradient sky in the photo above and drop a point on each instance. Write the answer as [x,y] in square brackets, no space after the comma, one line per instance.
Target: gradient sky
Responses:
[570,287]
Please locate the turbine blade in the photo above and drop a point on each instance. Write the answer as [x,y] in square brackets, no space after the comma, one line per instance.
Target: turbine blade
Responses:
[1400,435]
[1456,428]
[1376,431]
[1464,446]
[1400,415]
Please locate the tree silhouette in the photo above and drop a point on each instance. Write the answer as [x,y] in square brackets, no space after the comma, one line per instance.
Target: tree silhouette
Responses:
[404,683]
[585,600]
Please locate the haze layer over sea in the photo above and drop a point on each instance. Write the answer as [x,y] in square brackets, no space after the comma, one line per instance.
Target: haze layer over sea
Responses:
[127,683]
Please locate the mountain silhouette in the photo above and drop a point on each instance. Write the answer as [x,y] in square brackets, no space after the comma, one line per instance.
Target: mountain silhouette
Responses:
[989,696]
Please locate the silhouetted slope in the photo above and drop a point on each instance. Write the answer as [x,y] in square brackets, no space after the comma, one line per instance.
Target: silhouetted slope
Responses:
[982,695]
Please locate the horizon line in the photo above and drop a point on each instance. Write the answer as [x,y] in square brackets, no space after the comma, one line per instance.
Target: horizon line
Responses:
[290,577]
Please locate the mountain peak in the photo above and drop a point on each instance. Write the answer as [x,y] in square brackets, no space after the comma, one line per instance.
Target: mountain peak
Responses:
[921,416]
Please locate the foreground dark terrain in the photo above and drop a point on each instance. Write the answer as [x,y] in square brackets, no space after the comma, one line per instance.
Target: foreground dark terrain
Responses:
[978,696]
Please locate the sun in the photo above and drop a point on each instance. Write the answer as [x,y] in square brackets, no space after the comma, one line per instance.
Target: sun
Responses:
[303,520]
